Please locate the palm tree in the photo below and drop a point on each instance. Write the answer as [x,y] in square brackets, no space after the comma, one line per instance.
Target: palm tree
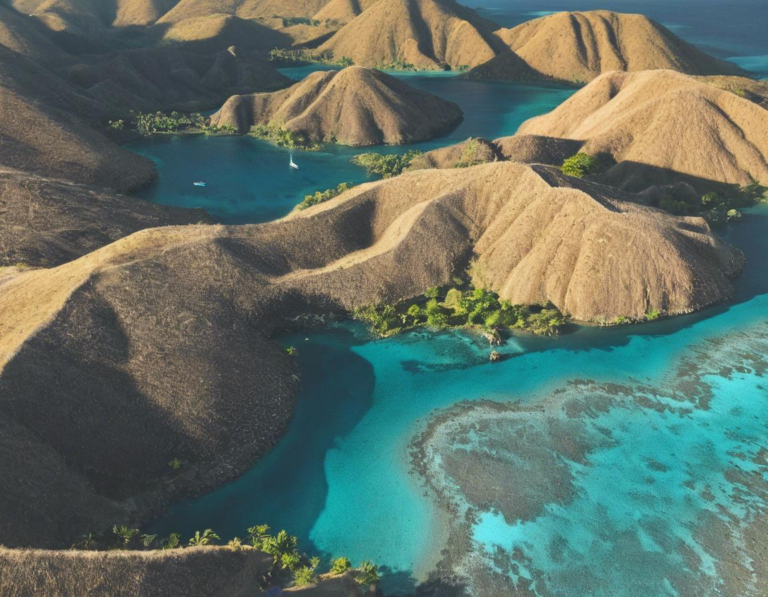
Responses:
[258,534]
[282,548]
[125,534]
[207,538]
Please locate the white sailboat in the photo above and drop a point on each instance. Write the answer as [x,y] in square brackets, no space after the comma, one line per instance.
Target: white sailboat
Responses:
[293,164]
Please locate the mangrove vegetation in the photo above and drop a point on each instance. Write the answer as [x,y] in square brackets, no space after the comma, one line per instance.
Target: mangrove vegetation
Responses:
[385,165]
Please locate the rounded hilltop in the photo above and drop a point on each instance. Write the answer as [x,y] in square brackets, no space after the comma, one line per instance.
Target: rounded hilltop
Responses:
[579,46]
[662,126]
[355,106]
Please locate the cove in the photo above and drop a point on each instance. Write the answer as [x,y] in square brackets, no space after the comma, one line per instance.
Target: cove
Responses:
[249,181]
[344,481]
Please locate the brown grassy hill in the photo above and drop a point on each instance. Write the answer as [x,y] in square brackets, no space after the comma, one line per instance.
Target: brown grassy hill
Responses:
[428,34]
[192,572]
[156,347]
[45,222]
[41,133]
[246,9]
[219,32]
[754,91]
[24,36]
[355,106]
[169,78]
[525,149]
[661,126]
[579,46]
[88,14]
[344,10]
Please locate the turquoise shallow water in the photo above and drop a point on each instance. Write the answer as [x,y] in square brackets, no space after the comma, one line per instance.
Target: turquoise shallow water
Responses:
[342,479]
[249,181]
[608,465]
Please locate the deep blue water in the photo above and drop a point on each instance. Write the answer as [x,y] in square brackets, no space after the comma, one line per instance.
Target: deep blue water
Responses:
[622,498]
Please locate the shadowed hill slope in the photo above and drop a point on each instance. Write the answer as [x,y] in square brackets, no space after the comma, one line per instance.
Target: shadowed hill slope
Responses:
[91,14]
[168,78]
[246,9]
[192,572]
[24,36]
[41,135]
[579,46]
[46,222]
[428,34]
[218,32]
[525,149]
[355,106]
[156,347]
[661,126]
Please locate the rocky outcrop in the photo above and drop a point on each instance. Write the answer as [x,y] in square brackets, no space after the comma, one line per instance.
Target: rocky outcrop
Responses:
[662,127]
[427,34]
[47,222]
[355,106]
[579,46]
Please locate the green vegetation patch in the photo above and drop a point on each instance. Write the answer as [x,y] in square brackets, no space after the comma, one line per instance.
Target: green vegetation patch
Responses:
[581,165]
[158,123]
[282,137]
[304,56]
[289,566]
[717,208]
[319,197]
[456,307]
[385,165]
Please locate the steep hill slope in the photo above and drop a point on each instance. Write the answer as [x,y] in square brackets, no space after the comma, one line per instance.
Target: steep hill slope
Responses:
[169,78]
[156,347]
[246,9]
[192,572]
[89,14]
[344,10]
[428,34]
[42,133]
[662,126]
[579,46]
[219,32]
[355,106]
[24,36]
[46,222]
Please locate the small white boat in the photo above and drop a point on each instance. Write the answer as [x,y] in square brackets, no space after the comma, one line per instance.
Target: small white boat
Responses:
[201,183]
[293,164]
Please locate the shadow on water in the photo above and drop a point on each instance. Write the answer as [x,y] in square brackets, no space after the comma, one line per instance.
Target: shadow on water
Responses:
[287,488]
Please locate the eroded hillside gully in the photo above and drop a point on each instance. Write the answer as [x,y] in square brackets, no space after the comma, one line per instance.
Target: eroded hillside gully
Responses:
[527,476]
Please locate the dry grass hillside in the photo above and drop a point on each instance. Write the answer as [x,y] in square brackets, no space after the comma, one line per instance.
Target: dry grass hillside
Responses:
[218,32]
[661,126]
[46,222]
[525,149]
[754,91]
[344,10]
[169,78]
[214,391]
[355,106]
[579,46]
[93,14]
[191,572]
[25,37]
[246,9]
[427,34]
[42,133]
